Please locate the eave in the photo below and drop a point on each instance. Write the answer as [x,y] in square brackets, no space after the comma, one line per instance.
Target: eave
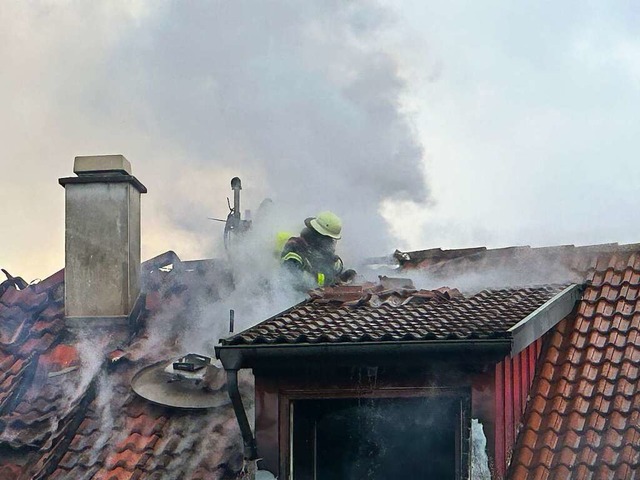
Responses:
[363,353]
[477,350]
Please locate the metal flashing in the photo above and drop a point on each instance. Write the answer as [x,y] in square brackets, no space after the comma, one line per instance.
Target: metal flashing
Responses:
[540,321]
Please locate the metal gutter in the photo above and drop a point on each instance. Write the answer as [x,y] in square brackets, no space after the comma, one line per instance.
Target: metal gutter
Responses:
[539,322]
[248,356]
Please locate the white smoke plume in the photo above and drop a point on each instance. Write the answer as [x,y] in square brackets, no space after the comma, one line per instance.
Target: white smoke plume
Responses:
[300,96]
[528,269]
[92,353]
[261,289]
[303,100]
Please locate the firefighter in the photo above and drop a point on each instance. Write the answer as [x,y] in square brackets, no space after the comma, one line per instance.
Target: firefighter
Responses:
[311,257]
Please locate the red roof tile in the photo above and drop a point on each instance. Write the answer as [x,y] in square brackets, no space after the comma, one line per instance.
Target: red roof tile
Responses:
[352,315]
[60,357]
[10,471]
[95,427]
[582,420]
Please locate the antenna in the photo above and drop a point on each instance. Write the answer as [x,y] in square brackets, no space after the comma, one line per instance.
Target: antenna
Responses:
[234,224]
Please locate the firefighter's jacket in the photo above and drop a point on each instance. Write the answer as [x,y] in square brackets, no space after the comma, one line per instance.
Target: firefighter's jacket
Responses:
[319,267]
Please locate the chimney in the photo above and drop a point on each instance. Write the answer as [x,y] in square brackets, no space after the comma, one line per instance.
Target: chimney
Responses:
[102,241]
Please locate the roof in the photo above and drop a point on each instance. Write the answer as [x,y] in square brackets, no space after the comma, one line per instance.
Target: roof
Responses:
[579,258]
[470,267]
[66,406]
[583,415]
[379,313]
[64,417]
[583,418]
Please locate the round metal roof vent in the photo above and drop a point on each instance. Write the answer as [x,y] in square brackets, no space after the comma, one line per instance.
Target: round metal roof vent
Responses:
[190,382]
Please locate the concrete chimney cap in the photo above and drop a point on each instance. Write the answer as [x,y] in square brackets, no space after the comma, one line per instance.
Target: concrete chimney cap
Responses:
[102,169]
[85,165]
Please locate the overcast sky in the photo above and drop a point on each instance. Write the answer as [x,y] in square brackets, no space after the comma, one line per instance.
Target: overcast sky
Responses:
[421,123]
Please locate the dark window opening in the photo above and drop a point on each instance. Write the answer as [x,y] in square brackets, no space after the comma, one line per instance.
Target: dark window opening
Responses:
[379,438]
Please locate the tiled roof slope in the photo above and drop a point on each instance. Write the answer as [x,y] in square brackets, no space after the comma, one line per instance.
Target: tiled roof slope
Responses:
[583,417]
[511,265]
[575,257]
[66,407]
[374,314]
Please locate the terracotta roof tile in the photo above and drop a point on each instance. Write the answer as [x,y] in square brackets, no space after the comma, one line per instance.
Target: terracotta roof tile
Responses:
[10,471]
[61,356]
[53,281]
[591,360]
[118,473]
[26,299]
[95,427]
[583,410]
[488,314]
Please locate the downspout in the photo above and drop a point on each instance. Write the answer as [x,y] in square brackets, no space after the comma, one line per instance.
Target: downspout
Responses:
[232,362]
[250,448]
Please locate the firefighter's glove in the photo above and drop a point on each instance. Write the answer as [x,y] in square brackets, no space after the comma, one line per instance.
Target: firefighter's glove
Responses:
[347,276]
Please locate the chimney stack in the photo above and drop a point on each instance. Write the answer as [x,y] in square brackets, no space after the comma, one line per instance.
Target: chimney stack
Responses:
[102,241]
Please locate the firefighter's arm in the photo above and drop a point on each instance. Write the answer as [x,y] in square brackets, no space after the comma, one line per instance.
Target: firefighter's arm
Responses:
[293,261]
[294,264]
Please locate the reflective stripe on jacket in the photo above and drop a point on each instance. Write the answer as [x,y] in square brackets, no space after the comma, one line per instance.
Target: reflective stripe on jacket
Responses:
[324,267]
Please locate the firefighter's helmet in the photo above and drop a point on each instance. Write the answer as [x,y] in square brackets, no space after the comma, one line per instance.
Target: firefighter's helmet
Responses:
[325,223]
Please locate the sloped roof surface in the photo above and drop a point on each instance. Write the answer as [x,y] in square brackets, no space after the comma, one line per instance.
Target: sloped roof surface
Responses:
[373,313]
[511,265]
[579,258]
[583,418]
[66,407]
[64,418]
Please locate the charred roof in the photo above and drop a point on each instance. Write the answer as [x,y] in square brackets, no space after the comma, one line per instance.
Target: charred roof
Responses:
[66,406]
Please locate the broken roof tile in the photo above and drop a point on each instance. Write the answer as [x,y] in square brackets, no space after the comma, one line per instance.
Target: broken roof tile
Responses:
[95,427]
[586,387]
[416,315]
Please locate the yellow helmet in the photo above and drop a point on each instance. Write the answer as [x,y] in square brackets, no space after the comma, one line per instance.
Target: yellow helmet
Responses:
[326,223]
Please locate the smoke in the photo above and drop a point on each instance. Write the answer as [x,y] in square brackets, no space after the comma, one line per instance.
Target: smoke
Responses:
[300,96]
[91,352]
[106,409]
[479,459]
[197,299]
[303,100]
[528,268]
[261,289]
